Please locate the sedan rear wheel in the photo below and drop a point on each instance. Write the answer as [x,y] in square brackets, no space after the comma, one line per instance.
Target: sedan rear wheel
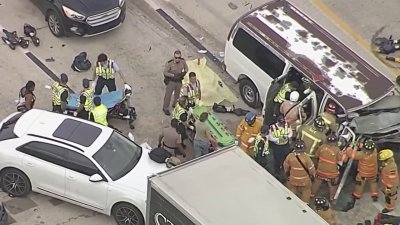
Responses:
[15,182]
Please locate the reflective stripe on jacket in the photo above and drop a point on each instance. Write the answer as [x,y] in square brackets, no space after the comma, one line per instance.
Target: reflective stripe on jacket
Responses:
[100,114]
[244,132]
[328,156]
[261,140]
[192,91]
[297,175]
[389,174]
[367,163]
[178,111]
[105,72]
[281,96]
[58,89]
[88,93]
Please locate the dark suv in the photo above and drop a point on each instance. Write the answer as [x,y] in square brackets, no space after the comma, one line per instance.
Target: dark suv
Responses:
[82,17]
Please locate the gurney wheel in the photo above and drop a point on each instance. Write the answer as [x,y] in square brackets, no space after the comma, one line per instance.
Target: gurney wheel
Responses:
[132,126]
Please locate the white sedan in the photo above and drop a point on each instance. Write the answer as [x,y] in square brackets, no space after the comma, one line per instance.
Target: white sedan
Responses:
[76,161]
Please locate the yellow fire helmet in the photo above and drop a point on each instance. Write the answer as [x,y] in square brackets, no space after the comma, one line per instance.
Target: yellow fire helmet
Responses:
[385,154]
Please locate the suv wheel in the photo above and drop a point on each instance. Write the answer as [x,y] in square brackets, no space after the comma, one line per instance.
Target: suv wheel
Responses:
[249,93]
[55,23]
[15,182]
[127,214]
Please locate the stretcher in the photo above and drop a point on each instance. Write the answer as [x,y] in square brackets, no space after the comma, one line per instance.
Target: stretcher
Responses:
[109,99]
[218,130]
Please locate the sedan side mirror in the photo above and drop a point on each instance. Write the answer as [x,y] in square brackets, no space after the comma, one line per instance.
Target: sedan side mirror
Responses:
[95,178]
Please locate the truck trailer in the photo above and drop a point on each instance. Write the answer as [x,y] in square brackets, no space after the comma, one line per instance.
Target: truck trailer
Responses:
[226,187]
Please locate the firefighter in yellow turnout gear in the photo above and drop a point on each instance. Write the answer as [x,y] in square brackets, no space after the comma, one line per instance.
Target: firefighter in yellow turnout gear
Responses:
[249,127]
[389,179]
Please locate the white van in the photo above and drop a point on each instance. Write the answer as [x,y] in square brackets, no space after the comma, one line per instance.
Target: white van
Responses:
[265,43]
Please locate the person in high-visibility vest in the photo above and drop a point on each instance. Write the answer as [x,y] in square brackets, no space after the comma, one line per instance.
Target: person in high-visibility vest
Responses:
[99,112]
[279,137]
[328,155]
[60,95]
[367,168]
[323,209]
[249,127]
[192,90]
[262,153]
[300,171]
[105,72]
[85,103]
[389,179]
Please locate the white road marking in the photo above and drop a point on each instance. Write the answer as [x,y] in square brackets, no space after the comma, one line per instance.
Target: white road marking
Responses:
[153,5]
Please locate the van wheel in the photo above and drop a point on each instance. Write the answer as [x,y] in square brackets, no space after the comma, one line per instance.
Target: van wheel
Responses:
[249,93]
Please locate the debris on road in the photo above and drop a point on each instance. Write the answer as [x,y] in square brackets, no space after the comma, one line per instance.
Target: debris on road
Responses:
[232,5]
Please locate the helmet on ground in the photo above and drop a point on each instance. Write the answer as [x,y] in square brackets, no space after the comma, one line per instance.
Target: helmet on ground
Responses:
[250,117]
[281,119]
[299,146]
[265,129]
[319,122]
[332,137]
[294,96]
[321,203]
[369,145]
[385,154]
[331,108]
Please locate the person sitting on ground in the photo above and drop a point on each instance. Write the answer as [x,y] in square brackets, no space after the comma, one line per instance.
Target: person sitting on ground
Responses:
[26,97]
[171,140]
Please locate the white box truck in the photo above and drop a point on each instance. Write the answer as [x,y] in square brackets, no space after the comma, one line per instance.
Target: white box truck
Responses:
[226,187]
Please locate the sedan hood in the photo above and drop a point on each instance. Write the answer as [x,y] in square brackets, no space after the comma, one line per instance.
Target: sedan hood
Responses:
[90,7]
[137,178]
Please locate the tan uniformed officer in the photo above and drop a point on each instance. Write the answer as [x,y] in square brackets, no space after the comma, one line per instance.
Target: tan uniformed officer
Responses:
[389,179]
[323,209]
[174,72]
[300,171]
[328,156]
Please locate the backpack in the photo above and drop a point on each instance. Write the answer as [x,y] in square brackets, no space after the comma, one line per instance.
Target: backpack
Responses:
[81,63]
[159,155]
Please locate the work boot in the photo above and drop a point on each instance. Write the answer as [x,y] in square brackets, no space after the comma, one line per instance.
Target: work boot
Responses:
[389,58]
[166,112]
[374,198]
[385,210]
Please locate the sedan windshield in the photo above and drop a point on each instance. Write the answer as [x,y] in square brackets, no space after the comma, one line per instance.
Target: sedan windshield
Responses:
[118,156]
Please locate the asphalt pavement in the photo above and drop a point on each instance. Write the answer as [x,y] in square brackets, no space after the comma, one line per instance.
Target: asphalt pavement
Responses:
[141,46]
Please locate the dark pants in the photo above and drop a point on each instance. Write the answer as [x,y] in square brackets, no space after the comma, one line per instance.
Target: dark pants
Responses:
[83,114]
[171,87]
[57,109]
[279,152]
[101,82]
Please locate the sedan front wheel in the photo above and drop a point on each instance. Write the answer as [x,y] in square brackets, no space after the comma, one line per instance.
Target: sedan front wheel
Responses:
[127,214]
[15,182]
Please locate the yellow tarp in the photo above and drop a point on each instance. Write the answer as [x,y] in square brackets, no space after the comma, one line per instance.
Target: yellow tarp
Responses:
[211,91]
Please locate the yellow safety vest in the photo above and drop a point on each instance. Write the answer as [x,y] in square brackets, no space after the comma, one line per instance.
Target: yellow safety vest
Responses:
[178,111]
[192,92]
[280,132]
[88,93]
[100,114]
[58,89]
[105,72]
[281,96]
[260,138]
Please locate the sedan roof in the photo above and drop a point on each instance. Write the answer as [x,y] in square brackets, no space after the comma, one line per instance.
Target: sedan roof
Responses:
[80,133]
